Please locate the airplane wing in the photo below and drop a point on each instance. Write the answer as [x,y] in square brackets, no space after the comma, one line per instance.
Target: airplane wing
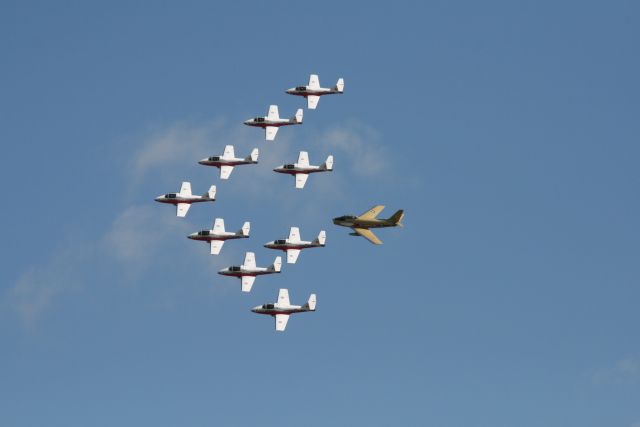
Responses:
[228,152]
[292,255]
[247,283]
[218,225]
[281,321]
[368,234]
[294,235]
[312,101]
[182,209]
[301,179]
[314,81]
[372,213]
[303,159]
[283,297]
[270,133]
[249,260]
[216,246]
[273,113]
[225,171]
[185,190]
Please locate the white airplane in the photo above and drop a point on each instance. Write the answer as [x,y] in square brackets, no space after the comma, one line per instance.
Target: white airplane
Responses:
[184,198]
[272,122]
[313,91]
[302,168]
[217,236]
[248,271]
[282,309]
[293,245]
[227,161]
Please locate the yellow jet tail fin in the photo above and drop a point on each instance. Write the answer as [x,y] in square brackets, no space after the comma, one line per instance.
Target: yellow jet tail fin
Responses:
[397,217]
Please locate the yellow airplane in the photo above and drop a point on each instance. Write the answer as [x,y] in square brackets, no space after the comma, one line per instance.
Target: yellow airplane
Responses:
[361,224]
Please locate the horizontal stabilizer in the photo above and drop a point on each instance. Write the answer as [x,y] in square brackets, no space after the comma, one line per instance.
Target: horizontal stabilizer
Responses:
[244,231]
[340,85]
[328,164]
[253,157]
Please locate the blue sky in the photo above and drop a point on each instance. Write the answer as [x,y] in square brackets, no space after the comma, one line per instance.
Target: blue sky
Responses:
[508,131]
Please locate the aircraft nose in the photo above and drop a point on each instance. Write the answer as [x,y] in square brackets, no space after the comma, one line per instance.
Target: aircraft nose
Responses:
[202,161]
[192,235]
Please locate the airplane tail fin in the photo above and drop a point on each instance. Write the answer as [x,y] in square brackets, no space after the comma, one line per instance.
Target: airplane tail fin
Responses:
[277,265]
[339,85]
[397,217]
[211,194]
[244,231]
[253,157]
[322,237]
[298,117]
[328,164]
[310,305]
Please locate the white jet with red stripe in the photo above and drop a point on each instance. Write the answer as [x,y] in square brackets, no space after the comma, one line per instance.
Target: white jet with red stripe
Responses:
[301,169]
[217,235]
[248,271]
[313,91]
[228,161]
[282,309]
[293,245]
[272,122]
[184,198]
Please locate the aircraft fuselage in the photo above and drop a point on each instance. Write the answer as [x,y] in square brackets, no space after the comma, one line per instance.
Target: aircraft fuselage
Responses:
[175,198]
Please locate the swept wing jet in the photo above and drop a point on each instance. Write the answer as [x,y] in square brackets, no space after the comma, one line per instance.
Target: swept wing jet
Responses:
[248,271]
[272,122]
[361,224]
[228,160]
[293,245]
[217,236]
[282,309]
[313,91]
[184,198]
[302,168]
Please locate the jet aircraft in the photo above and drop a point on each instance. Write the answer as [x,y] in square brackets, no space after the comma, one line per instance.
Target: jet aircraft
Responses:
[361,224]
[228,160]
[282,309]
[313,91]
[272,122]
[184,198]
[302,168]
[217,236]
[293,245]
[248,271]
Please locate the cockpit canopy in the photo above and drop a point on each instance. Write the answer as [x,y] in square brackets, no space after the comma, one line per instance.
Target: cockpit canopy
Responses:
[344,217]
[204,233]
[268,306]
[289,166]
[259,119]
[301,88]
[234,268]
[214,158]
[170,196]
[280,242]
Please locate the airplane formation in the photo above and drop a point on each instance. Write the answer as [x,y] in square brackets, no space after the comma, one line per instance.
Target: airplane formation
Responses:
[292,245]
